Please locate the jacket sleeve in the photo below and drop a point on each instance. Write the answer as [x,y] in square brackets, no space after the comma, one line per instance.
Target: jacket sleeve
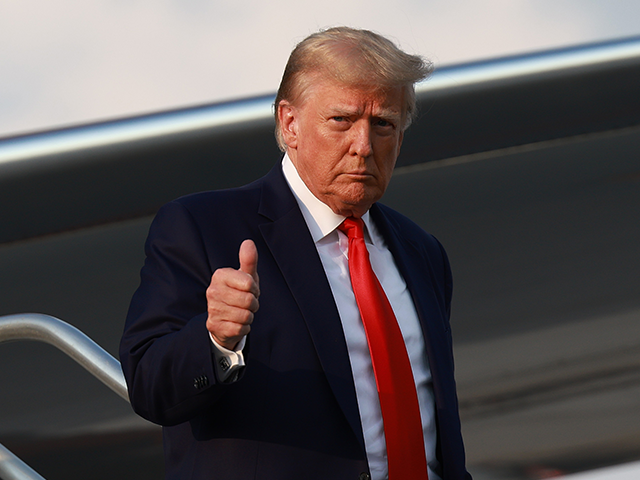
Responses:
[165,349]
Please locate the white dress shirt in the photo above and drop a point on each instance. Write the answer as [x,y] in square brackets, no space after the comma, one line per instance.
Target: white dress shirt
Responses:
[333,246]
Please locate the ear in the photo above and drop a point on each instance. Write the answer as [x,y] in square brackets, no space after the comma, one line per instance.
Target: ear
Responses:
[288,118]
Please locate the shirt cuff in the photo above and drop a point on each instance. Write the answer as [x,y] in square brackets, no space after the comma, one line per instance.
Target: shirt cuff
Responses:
[229,363]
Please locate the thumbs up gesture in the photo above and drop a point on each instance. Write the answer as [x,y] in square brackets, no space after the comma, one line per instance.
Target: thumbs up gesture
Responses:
[232,298]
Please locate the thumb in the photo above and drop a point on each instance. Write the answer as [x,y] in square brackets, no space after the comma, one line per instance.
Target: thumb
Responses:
[248,256]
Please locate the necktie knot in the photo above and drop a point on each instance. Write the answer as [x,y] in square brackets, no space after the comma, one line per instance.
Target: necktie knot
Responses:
[352,227]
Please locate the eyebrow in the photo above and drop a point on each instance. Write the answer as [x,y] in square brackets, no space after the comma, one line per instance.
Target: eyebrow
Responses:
[385,113]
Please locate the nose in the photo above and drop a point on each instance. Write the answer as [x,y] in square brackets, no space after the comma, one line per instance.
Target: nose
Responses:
[361,144]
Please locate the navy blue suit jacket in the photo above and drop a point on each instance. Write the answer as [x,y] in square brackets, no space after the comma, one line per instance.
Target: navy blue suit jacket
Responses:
[294,413]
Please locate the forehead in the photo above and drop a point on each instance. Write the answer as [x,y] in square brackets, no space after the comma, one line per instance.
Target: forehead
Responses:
[328,93]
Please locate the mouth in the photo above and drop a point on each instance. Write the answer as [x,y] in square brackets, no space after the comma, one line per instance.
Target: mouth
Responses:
[360,175]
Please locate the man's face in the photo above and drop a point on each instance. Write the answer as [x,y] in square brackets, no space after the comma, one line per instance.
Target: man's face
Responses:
[344,142]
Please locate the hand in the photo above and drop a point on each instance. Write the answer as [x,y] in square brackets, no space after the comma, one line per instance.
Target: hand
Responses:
[232,298]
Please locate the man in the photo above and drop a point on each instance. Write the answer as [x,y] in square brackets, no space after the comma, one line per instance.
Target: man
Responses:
[307,403]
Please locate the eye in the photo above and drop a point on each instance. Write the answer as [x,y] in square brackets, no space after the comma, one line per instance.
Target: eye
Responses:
[381,122]
[338,118]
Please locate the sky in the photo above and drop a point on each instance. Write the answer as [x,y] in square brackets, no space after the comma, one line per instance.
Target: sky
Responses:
[69,62]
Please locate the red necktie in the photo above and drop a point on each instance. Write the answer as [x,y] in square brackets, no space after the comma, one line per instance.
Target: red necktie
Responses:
[396,388]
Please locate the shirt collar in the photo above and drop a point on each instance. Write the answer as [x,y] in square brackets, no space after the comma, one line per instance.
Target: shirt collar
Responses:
[320,219]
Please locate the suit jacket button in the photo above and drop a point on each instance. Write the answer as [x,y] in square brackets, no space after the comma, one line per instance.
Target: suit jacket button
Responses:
[364,476]
[200,382]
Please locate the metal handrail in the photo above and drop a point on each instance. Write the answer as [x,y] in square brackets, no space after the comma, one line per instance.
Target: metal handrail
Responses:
[52,330]
[12,468]
[77,345]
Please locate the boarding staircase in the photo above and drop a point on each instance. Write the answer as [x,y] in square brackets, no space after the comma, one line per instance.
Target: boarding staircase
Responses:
[78,346]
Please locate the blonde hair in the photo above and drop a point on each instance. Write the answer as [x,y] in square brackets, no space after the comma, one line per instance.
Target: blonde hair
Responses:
[354,57]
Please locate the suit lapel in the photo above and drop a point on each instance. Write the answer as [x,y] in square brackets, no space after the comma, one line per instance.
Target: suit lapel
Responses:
[425,283]
[290,243]
[417,273]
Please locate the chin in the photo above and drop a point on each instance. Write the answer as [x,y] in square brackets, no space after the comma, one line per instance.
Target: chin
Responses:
[354,208]
[354,199]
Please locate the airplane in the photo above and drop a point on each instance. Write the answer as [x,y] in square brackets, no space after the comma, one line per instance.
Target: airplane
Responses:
[527,168]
